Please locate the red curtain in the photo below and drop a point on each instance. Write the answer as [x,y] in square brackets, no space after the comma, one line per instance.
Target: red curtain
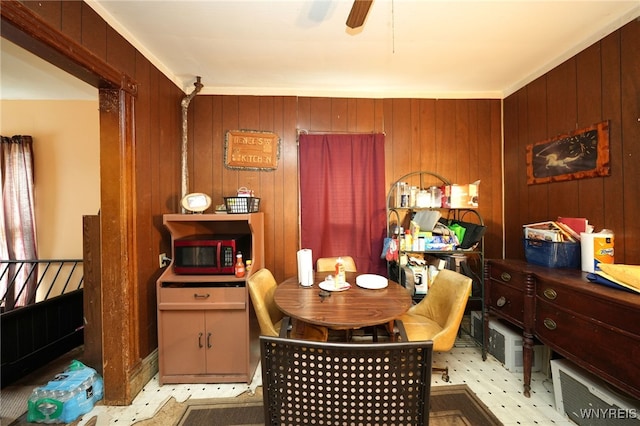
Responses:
[342,197]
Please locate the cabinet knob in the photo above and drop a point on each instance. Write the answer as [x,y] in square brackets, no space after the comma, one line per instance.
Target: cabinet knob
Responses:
[501,302]
[209,340]
[550,324]
[201,296]
[505,276]
[200,340]
[550,293]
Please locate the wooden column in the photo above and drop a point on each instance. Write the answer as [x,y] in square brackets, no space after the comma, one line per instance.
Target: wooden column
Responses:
[117,192]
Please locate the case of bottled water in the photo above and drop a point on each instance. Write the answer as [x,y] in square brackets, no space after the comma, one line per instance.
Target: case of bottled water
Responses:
[65,398]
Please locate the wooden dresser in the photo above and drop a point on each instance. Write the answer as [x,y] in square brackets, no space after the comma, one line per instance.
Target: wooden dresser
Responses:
[596,327]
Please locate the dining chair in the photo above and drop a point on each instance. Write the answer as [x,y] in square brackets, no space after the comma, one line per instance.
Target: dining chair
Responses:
[344,383]
[328,264]
[438,315]
[262,286]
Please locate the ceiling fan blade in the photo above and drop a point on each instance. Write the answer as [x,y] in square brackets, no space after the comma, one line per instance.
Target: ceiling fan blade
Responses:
[358,13]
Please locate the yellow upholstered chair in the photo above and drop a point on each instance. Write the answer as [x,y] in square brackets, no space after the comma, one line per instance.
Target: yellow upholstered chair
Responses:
[437,317]
[328,264]
[262,286]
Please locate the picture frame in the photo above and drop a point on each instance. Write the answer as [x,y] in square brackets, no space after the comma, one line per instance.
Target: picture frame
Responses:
[251,150]
[580,154]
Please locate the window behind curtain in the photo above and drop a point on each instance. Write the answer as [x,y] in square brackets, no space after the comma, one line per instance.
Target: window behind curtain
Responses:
[17,225]
[342,197]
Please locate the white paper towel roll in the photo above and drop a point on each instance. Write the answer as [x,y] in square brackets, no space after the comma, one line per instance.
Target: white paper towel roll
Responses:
[595,248]
[305,267]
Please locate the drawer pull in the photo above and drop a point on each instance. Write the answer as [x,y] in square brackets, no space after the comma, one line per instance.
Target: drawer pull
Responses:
[550,324]
[209,340]
[550,293]
[505,276]
[501,302]
[200,340]
[200,296]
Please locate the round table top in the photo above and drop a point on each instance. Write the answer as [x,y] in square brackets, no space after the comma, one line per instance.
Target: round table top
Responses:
[353,308]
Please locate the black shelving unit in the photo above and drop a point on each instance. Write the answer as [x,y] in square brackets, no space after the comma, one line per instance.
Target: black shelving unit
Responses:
[400,216]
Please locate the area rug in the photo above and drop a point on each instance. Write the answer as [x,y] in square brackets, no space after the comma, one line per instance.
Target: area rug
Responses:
[451,405]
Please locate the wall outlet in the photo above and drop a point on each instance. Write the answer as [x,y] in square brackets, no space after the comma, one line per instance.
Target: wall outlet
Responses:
[163,260]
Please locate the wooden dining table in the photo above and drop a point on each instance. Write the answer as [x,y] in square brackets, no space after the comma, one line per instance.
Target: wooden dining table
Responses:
[354,308]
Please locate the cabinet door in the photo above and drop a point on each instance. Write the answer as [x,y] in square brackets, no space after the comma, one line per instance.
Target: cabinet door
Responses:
[226,341]
[183,342]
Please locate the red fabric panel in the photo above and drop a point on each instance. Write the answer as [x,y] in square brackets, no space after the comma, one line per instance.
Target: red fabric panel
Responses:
[343,196]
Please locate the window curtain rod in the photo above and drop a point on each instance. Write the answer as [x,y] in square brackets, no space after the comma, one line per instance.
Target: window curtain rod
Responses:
[331,132]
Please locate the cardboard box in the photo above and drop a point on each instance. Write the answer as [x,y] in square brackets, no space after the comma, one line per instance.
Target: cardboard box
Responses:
[461,196]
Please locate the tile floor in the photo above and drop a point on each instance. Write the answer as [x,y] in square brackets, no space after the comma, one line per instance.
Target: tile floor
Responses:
[498,388]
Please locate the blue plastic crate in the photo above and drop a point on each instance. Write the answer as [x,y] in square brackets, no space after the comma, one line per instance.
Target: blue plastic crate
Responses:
[552,254]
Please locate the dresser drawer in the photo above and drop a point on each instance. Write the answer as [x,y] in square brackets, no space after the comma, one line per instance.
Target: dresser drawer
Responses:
[504,292]
[233,296]
[609,352]
[506,275]
[598,309]
[506,301]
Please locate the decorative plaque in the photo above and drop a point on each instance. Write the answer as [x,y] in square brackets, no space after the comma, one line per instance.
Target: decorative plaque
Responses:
[249,149]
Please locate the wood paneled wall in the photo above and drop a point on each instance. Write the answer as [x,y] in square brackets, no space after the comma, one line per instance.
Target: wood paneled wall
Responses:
[156,157]
[458,139]
[600,83]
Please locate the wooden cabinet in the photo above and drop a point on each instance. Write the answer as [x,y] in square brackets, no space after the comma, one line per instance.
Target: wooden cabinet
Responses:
[595,326]
[203,343]
[207,328]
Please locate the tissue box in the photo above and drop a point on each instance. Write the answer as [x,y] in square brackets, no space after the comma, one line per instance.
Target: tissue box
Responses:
[67,396]
[461,196]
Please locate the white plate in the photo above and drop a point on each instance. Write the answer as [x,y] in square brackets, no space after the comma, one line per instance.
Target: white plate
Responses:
[372,281]
[329,286]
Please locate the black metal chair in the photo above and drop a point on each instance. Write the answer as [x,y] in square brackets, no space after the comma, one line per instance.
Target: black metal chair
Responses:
[324,383]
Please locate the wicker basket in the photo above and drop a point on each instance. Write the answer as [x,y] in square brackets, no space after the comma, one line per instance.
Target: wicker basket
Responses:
[237,205]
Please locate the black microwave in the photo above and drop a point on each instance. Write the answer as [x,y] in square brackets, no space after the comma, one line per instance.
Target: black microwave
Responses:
[208,254]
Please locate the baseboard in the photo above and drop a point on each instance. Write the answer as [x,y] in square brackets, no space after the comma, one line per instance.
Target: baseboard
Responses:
[145,372]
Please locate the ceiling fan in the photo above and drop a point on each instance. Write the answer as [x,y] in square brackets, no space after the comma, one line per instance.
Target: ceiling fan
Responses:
[358,13]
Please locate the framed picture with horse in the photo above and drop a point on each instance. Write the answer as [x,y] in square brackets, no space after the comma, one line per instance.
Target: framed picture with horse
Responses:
[579,154]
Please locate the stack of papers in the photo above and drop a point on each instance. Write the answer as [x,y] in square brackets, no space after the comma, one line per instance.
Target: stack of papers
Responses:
[549,231]
[626,277]
[426,220]
[575,225]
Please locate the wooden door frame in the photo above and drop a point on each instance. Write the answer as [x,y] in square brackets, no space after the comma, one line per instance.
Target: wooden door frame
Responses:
[117,94]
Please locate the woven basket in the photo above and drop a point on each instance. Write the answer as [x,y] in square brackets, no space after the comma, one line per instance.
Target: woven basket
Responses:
[238,205]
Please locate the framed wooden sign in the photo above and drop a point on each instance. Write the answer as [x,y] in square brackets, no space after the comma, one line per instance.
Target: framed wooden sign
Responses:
[253,150]
[580,154]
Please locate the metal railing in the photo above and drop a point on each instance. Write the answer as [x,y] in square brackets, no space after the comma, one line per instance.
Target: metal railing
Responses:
[25,282]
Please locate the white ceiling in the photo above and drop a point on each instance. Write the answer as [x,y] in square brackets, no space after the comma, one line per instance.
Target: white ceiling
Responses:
[406,48]
[24,76]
